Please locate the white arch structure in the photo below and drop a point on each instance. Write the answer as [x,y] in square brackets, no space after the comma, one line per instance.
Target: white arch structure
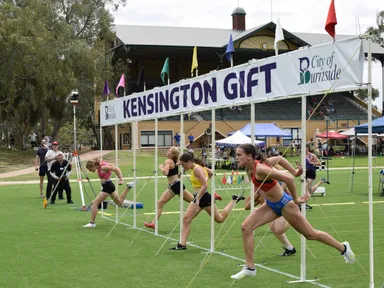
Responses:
[316,70]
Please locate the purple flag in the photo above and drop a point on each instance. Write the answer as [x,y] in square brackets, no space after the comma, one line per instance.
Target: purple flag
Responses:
[106,89]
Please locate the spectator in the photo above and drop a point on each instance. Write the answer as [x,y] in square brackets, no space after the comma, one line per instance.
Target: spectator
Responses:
[177,139]
[12,141]
[42,168]
[278,144]
[32,139]
[191,138]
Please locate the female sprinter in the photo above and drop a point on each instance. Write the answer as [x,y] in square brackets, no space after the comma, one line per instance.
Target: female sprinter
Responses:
[104,171]
[277,203]
[199,180]
[311,162]
[279,226]
[170,169]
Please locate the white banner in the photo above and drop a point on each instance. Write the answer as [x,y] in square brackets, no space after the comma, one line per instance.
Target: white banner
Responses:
[310,71]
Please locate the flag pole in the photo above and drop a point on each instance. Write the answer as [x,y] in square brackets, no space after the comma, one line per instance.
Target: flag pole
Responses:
[370,188]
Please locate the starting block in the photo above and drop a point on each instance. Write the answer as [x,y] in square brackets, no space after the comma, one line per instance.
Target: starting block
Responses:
[128,204]
[320,191]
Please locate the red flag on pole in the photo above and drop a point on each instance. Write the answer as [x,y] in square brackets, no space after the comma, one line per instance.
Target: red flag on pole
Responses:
[331,20]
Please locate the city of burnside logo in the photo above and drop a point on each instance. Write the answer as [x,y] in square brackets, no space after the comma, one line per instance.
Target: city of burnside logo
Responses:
[318,69]
[110,112]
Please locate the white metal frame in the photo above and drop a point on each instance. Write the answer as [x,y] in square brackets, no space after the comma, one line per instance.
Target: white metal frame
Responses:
[303,122]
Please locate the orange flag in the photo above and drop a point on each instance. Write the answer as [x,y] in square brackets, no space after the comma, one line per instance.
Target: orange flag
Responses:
[45,203]
[224,180]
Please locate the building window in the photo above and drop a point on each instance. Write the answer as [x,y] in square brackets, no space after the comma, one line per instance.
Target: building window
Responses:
[164,138]
[295,132]
[126,139]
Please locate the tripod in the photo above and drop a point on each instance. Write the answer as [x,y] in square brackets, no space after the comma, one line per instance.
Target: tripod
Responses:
[80,169]
[76,159]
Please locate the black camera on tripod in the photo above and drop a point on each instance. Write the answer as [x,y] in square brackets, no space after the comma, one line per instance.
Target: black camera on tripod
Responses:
[73,97]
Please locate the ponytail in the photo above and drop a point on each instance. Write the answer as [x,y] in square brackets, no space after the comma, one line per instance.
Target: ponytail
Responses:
[189,157]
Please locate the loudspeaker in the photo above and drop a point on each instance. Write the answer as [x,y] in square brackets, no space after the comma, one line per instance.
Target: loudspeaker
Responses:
[208,131]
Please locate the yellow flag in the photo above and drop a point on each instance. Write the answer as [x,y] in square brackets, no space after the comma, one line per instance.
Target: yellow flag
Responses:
[194,61]
[45,203]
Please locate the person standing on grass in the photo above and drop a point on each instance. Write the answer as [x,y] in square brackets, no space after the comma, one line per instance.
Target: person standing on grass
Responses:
[41,164]
[277,203]
[50,157]
[104,171]
[202,201]
[170,169]
[60,171]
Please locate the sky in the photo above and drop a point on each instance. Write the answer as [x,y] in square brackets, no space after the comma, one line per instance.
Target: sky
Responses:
[308,16]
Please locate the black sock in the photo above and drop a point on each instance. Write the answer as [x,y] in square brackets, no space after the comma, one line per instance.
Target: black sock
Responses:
[345,250]
[179,245]
[251,269]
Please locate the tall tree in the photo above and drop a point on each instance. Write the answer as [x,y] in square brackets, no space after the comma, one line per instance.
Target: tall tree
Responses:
[378,32]
[363,94]
[48,49]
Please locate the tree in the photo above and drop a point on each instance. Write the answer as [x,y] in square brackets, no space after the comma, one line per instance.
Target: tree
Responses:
[378,32]
[48,49]
[363,94]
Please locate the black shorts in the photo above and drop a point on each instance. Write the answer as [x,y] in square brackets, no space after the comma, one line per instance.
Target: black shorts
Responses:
[175,187]
[310,174]
[43,170]
[205,200]
[108,187]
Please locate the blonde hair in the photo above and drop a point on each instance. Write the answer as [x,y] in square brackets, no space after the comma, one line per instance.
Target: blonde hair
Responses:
[175,151]
[92,163]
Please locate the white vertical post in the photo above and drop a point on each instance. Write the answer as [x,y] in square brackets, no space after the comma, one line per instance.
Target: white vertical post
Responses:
[370,187]
[134,137]
[382,87]
[213,188]
[182,143]
[253,115]
[74,128]
[117,165]
[303,272]
[101,142]
[156,179]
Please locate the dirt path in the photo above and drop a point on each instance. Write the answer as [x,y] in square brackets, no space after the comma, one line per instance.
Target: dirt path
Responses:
[85,156]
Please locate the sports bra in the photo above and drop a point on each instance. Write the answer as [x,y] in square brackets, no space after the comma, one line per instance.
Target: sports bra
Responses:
[173,171]
[103,175]
[194,181]
[267,185]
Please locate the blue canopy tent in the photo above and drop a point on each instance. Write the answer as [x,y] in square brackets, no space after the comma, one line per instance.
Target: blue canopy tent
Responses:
[264,130]
[377,127]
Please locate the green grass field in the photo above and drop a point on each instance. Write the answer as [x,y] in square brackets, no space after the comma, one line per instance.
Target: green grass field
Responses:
[49,247]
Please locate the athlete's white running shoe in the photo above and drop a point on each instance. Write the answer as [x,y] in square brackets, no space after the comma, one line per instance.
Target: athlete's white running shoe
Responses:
[348,255]
[245,272]
[90,225]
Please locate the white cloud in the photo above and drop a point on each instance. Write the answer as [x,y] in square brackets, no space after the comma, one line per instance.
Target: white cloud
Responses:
[295,16]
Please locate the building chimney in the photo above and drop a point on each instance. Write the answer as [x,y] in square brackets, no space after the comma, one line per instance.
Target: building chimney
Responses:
[238,19]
